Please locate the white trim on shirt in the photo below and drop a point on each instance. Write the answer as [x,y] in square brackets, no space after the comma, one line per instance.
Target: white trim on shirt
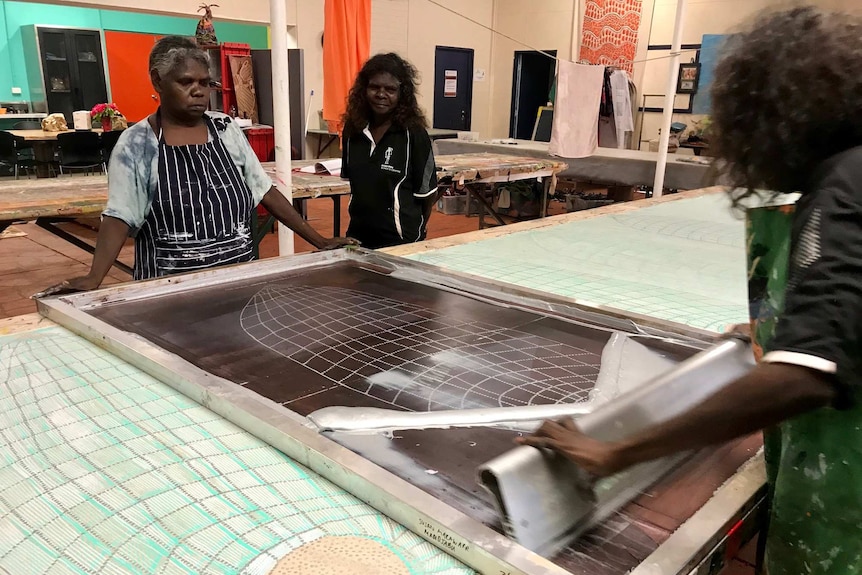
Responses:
[396,200]
[802,360]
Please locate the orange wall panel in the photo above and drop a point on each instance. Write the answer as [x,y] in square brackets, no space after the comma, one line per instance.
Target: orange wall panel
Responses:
[128,55]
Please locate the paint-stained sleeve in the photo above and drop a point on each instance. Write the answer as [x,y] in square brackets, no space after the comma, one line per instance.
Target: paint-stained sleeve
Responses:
[256,178]
[422,164]
[820,327]
[128,179]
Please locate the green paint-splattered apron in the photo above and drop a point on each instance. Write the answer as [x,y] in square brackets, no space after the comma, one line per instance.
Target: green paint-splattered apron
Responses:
[813,462]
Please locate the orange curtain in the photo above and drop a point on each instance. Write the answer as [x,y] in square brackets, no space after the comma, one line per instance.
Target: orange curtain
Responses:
[346,45]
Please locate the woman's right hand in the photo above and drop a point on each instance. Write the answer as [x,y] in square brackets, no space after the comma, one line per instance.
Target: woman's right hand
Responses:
[338,242]
[83,283]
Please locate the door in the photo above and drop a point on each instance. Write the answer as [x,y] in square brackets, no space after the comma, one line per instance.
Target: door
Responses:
[532,77]
[453,88]
[89,86]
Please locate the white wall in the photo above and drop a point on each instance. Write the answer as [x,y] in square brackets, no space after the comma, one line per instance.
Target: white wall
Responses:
[256,11]
[308,31]
[430,26]
[414,29]
[389,26]
[544,25]
[701,17]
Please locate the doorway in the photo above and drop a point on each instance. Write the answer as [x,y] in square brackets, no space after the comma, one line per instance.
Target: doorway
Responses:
[532,78]
[453,88]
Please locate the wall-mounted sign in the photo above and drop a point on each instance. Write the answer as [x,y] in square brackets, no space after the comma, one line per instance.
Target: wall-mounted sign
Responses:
[450,84]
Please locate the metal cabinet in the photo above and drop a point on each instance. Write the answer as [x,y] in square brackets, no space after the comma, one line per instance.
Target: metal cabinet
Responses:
[71,70]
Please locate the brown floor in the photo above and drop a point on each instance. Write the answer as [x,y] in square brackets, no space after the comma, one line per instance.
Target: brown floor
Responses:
[34,261]
[37,260]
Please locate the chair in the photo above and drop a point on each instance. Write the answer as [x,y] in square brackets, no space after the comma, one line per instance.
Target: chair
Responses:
[109,140]
[10,154]
[28,125]
[80,151]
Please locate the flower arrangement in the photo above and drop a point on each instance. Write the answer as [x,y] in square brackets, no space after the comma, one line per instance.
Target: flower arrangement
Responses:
[105,113]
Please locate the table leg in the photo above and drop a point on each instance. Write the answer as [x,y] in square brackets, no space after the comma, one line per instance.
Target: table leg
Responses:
[48,224]
[483,207]
[336,216]
[43,153]
[260,230]
[299,204]
[321,147]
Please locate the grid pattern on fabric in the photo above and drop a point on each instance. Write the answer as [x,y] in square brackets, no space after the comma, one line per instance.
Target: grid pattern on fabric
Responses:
[682,261]
[105,470]
[415,358]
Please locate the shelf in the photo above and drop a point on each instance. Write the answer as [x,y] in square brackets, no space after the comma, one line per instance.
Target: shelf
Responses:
[55,59]
[61,91]
[88,61]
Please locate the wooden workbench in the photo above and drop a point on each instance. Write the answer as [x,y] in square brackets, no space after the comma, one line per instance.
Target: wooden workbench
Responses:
[42,135]
[606,165]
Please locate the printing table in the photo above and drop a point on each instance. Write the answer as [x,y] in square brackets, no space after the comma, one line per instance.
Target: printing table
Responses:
[662,531]
[607,165]
[325,138]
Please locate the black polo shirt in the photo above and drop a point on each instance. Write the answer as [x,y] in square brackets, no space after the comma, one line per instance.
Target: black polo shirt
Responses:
[390,183]
[821,325]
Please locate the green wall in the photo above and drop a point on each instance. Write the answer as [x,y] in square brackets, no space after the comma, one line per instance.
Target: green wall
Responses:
[15,15]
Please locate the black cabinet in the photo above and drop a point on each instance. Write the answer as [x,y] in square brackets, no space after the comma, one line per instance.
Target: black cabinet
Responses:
[72,69]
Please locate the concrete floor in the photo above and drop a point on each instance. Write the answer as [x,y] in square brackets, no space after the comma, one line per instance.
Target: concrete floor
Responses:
[29,263]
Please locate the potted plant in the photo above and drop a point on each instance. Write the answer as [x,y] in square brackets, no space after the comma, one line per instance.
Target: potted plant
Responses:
[104,113]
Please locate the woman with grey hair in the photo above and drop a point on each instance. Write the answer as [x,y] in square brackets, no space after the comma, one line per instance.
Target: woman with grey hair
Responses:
[185,182]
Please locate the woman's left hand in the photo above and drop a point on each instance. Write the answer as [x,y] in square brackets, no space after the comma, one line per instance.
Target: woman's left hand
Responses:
[336,243]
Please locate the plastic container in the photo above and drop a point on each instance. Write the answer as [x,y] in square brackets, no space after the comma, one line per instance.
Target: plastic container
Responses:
[262,141]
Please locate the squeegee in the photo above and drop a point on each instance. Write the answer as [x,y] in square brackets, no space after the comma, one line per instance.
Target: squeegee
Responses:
[545,501]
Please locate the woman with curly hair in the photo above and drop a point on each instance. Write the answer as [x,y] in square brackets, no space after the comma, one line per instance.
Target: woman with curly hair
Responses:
[387,155]
[787,114]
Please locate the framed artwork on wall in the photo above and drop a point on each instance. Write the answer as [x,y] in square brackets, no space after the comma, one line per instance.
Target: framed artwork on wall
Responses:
[689,76]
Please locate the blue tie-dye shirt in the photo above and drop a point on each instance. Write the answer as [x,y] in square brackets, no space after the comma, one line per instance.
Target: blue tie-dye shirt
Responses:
[133,172]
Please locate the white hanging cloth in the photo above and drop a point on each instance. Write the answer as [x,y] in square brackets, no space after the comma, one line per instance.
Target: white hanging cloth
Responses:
[623,118]
[576,110]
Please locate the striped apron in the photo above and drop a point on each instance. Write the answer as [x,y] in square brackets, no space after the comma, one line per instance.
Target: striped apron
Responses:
[201,214]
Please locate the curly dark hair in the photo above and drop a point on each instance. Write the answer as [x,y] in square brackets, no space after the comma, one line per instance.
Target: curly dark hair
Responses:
[786,98]
[407,114]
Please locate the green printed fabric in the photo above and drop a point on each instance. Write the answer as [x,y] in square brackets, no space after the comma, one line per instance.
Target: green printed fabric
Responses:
[812,460]
[680,261]
[105,470]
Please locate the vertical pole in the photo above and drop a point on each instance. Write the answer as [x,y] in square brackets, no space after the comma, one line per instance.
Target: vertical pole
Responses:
[281,114]
[669,98]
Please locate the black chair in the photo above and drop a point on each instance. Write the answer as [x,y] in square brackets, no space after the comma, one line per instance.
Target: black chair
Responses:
[10,154]
[80,151]
[27,147]
[109,140]
[28,125]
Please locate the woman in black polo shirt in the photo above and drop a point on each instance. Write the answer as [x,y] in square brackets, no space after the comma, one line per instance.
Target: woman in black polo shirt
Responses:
[387,156]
